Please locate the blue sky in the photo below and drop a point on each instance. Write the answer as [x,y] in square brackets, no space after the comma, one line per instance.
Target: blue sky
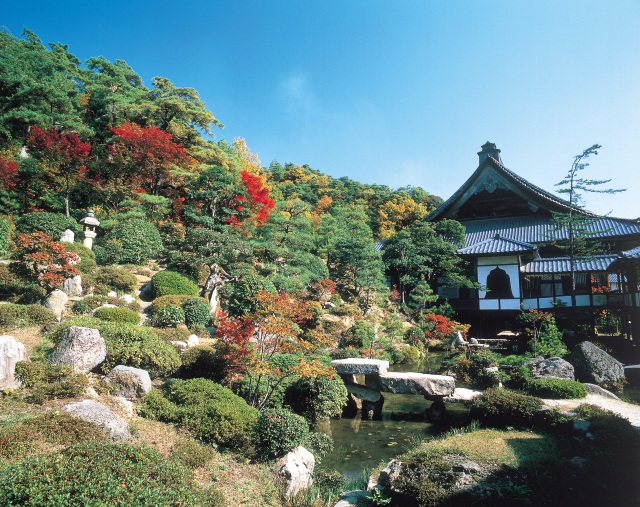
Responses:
[391,92]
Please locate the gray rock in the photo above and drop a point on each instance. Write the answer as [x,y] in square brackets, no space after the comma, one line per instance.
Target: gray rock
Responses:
[73,286]
[128,298]
[296,468]
[359,365]
[594,365]
[130,382]
[555,367]
[417,383]
[11,351]
[82,348]
[594,389]
[103,417]
[352,498]
[56,301]
[461,395]
[67,236]
[363,393]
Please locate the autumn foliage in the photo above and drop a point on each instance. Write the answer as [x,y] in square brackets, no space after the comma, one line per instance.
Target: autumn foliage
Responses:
[8,173]
[46,259]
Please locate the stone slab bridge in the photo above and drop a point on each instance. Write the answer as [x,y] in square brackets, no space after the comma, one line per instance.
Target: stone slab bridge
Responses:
[377,380]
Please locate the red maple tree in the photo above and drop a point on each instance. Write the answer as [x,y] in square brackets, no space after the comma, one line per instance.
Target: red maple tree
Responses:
[151,150]
[46,259]
[63,155]
[8,173]
[234,335]
[259,202]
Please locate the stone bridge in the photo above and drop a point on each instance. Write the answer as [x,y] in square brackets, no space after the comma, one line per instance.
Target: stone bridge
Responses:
[377,380]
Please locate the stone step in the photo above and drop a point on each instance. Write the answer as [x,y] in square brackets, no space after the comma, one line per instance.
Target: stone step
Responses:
[360,366]
[412,383]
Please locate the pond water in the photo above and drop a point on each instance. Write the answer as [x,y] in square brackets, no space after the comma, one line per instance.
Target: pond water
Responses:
[363,444]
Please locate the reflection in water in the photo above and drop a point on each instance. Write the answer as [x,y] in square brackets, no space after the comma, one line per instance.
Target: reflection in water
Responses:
[364,444]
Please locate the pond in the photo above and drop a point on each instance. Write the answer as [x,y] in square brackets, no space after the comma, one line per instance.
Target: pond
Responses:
[364,444]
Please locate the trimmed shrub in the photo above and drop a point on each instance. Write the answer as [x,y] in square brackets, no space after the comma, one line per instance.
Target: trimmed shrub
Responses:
[557,388]
[278,431]
[169,316]
[138,239]
[4,237]
[118,314]
[202,361]
[157,407]
[15,315]
[87,264]
[191,453]
[115,278]
[319,444]
[47,381]
[52,224]
[213,413]
[170,282]
[103,473]
[316,398]
[129,345]
[164,301]
[501,408]
[196,312]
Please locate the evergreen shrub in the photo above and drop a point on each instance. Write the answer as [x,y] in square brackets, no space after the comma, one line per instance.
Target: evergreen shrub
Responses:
[17,315]
[169,316]
[196,312]
[213,413]
[5,231]
[278,431]
[46,381]
[139,241]
[502,407]
[316,398]
[164,301]
[556,388]
[202,361]
[52,224]
[95,474]
[165,283]
[118,314]
[155,406]
[115,278]
[87,264]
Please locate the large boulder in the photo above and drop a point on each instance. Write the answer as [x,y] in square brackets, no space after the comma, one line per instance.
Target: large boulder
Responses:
[103,417]
[56,301]
[554,367]
[11,351]
[68,236]
[594,365]
[296,468]
[82,348]
[72,287]
[129,382]
[416,383]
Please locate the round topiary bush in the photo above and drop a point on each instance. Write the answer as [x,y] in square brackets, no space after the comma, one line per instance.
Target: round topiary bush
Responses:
[556,388]
[278,431]
[169,316]
[196,312]
[164,283]
[52,224]
[103,473]
[139,240]
[157,407]
[202,361]
[87,262]
[501,408]
[115,278]
[316,398]
[118,314]
[213,413]
[164,301]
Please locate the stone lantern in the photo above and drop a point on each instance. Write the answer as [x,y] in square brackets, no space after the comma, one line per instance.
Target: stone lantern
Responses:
[90,223]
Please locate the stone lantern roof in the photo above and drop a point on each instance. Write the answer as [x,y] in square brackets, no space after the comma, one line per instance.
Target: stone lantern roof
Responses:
[90,219]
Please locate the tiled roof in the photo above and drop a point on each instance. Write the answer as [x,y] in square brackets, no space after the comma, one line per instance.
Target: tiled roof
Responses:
[496,245]
[563,264]
[541,229]
[632,254]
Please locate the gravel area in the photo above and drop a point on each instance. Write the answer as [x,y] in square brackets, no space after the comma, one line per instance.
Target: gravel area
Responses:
[628,410]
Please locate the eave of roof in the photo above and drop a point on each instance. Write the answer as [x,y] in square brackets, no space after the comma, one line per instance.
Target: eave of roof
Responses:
[497,245]
[563,265]
[632,254]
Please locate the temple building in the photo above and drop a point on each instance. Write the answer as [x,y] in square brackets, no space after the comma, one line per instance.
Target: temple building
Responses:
[512,249]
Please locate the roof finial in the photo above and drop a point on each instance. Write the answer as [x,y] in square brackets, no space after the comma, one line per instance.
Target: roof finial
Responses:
[489,149]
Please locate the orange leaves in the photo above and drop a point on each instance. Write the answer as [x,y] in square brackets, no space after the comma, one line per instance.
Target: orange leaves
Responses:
[47,259]
[259,201]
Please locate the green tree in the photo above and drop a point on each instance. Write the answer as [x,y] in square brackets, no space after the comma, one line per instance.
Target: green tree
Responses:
[576,222]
